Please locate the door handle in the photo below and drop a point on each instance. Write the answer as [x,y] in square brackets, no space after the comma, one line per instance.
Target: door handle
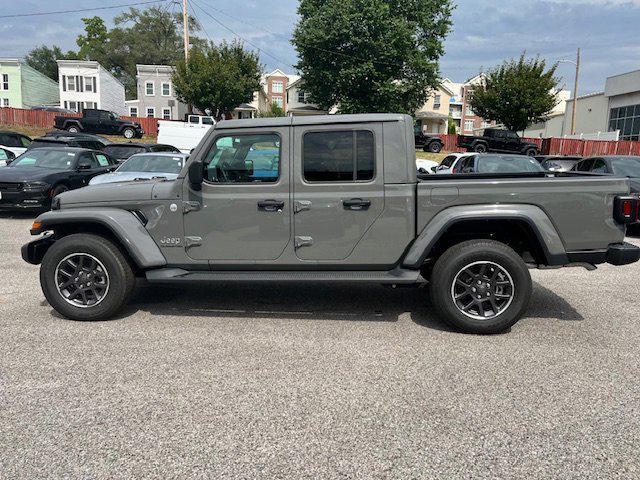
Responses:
[356,204]
[271,205]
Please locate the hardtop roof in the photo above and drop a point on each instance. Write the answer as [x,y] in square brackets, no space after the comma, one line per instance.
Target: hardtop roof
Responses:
[312,120]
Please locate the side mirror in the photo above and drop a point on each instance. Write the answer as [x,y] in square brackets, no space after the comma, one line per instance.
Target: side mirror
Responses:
[434,169]
[196,175]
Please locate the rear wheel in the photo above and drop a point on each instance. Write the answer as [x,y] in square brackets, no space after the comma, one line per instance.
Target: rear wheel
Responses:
[129,133]
[433,147]
[531,152]
[73,129]
[86,277]
[480,286]
[480,148]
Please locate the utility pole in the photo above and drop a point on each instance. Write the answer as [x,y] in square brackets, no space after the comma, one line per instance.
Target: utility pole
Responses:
[185,21]
[575,95]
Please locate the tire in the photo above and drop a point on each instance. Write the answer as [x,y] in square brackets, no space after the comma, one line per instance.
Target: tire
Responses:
[531,152]
[128,133]
[433,147]
[73,129]
[110,264]
[496,257]
[480,148]
[58,190]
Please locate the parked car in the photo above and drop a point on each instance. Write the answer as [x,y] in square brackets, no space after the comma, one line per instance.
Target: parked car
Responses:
[185,135]
[428,143]
[502,164]
[36,176]
[87,136]
[448,163]
[621,166]
[99,121]
[333,210]
[6,156]
[16,142]
[145,166]
[80,141]
[496,140]
[558,163]
[122,151]
[425,166]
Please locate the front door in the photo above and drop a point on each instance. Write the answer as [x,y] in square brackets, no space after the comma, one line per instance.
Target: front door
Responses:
[338,188]
[243,212]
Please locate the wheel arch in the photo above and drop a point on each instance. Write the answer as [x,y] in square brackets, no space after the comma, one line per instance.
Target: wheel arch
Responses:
[119,226]
[526,228]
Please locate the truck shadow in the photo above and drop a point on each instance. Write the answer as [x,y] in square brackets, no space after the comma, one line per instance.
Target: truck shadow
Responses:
[316,302]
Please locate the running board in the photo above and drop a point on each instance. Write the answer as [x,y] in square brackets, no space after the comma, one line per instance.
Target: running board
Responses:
[392,277]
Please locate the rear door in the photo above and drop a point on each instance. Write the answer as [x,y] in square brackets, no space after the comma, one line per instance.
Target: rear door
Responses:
[338,188]
[243,209]
[91,121]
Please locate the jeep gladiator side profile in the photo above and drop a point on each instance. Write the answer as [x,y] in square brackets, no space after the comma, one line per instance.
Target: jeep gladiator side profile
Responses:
[497,141]
[329,199]
[99,121]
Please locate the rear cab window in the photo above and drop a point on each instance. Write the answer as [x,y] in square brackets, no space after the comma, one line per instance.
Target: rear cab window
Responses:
[338,156]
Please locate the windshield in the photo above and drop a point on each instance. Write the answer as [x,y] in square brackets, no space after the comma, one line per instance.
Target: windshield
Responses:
[626,166]
[152,164]
[564,165]
[122,151]
[508,164]
[49,159]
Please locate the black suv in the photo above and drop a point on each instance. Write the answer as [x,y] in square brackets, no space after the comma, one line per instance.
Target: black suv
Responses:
[496,140]
[80,141]
[13,140]
[428,143]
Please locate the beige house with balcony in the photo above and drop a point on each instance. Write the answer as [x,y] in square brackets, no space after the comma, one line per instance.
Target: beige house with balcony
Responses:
[433,116]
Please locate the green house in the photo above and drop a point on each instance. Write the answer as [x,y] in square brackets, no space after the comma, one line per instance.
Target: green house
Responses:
[24,87]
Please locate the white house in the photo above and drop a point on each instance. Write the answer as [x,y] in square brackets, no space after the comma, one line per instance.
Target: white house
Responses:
[86,84]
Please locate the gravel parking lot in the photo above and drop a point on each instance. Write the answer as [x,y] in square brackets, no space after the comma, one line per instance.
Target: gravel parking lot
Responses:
[281,381]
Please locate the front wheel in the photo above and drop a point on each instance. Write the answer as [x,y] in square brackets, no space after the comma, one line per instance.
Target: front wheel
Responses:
[73,129]
[129,133]
[86,277]
[480,286]
[480,148]
[531,152]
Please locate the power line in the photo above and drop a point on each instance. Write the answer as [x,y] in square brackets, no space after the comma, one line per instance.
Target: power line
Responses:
[279,60]
[201,24]
[80,10]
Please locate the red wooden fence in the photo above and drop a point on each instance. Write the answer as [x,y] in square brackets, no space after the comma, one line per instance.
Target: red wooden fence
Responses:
[40,118]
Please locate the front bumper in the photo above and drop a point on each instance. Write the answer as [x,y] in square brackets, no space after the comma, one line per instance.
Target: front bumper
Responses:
[21,200]
[616,254]
[33,252]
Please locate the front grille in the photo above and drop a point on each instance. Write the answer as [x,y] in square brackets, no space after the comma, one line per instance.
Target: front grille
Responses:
[10,187]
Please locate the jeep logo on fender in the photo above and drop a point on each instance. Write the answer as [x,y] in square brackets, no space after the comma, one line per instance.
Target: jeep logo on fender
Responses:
[171,242]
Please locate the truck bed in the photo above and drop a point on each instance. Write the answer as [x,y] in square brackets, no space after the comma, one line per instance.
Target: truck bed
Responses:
[579,206]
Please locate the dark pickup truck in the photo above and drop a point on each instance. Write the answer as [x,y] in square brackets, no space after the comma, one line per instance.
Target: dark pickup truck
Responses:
[496,140]
[99,121]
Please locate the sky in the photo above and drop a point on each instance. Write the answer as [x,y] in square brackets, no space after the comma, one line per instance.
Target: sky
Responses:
[485,32]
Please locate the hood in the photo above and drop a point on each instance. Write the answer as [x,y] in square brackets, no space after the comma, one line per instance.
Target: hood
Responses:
[26,174]
[108,193]
[130,176]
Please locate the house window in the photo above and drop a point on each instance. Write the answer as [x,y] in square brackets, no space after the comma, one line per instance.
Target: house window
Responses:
[71,83]
[88,84]
[627,120]
[338,156]
[90,105]
[166,89]
[5,102]
[468,125]
[151,112]
[133,111]
[166,113]
[73,106]
[437,102]
[278,101]
[277,86]
[469,111]
[5,81]
[150,89]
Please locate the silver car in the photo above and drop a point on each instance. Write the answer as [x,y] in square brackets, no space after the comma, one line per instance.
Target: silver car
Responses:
[145,166]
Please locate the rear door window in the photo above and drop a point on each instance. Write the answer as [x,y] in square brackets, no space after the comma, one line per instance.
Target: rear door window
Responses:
[448,161]
[338,156]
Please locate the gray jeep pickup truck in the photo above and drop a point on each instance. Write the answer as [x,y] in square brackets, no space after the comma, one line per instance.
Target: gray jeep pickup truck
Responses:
[329,199]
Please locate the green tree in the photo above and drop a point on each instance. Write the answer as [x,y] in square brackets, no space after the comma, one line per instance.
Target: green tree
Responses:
[218,77]
[274,110]
[371,55]
[44,59]
[517,93]
[94,44]
[451,126]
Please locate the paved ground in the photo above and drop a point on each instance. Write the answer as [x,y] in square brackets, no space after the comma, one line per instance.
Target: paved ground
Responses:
[318,382]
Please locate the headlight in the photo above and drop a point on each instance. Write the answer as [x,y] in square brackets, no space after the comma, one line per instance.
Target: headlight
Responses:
[36,186]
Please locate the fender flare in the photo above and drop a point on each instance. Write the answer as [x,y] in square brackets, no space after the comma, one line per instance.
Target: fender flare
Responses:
[533,216]
[125,227]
